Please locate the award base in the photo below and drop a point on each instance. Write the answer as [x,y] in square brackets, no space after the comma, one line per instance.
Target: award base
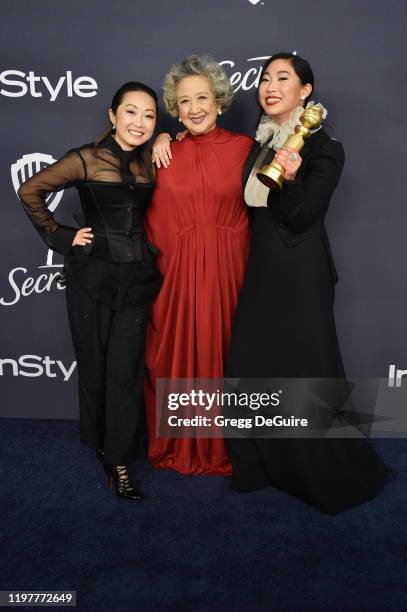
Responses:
[271,176]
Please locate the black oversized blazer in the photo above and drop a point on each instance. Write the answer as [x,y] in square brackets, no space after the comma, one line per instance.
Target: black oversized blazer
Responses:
[298,210]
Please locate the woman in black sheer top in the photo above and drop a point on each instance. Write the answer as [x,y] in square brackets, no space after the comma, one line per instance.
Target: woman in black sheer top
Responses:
[111,275]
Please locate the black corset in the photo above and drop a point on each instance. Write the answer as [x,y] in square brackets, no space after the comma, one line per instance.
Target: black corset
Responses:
[115,212]
[114,191]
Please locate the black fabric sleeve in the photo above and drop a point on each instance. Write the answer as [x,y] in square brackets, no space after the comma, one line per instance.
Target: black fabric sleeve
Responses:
[66,172]
[304,200]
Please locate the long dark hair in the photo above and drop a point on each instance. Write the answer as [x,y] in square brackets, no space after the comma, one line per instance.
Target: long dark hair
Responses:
[301,68]
[143,155]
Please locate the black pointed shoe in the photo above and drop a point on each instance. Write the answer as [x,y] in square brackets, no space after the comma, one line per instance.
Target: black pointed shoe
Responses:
[120,476]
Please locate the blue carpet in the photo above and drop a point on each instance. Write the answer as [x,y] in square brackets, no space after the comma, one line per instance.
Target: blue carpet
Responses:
[192,544]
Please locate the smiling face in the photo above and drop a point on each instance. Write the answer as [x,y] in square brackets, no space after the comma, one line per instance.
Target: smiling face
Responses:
[196,103]
[281,90]
[135,119]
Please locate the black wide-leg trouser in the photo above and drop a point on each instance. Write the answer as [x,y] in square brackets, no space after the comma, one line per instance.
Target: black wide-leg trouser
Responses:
[109,346]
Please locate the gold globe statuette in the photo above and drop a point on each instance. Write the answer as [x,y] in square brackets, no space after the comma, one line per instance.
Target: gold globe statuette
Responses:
[272,175]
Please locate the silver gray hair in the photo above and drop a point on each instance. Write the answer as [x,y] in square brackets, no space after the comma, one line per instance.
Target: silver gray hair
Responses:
[197,65]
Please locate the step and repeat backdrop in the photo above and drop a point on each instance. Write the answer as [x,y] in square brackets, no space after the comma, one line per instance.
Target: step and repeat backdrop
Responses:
[61,62]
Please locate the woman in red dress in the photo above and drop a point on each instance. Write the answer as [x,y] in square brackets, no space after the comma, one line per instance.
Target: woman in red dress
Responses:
[199,223]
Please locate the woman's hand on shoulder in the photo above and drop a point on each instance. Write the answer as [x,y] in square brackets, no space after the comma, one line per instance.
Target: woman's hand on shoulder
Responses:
[284,157]
[83,237]
[162,148]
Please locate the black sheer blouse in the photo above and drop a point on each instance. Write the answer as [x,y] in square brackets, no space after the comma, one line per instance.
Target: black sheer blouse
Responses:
[119,266]
[113,193]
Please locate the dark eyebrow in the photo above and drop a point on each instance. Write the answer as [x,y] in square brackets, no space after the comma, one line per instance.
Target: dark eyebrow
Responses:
[134,106]
[278,72]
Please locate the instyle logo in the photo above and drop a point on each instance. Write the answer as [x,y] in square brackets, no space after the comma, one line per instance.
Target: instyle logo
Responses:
[32,366]
[18,84]
[22,285]
[395,376]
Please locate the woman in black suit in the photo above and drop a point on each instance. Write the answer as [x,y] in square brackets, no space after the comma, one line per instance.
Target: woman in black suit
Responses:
[284,325]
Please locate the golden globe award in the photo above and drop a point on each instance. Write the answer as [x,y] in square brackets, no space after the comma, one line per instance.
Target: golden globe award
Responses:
[272,175]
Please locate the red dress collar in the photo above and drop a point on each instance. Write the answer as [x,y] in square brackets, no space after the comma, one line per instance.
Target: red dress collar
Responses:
[206,138]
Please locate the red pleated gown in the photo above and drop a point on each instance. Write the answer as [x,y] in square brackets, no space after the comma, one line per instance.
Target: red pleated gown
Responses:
[198,221]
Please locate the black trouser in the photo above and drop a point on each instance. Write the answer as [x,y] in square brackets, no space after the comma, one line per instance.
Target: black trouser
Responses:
[109,347]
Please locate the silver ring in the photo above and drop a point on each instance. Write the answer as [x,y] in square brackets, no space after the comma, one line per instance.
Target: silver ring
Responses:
[293,156]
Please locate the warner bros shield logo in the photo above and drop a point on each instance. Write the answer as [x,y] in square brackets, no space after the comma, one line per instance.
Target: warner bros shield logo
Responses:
[25,168]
